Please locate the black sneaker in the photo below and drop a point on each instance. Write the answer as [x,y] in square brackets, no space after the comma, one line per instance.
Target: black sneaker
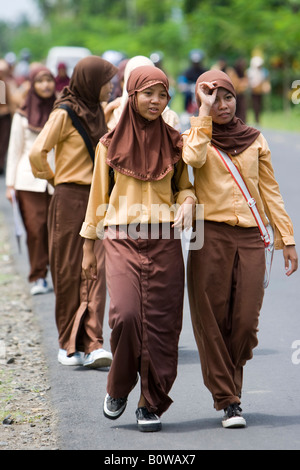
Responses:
[114,407]
[146,421]
[233,417]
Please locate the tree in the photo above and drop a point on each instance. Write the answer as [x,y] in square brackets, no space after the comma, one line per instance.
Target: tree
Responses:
[231,28]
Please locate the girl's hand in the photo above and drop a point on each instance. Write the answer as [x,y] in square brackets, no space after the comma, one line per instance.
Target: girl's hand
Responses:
[9,193]
[290,259]
[207,95]
[185,215]
[89,261]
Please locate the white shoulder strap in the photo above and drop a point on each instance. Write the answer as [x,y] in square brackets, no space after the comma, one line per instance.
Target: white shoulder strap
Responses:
[243,187]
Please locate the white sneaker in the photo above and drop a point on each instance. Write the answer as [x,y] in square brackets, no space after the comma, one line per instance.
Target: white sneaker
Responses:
[98,358]
[233,417]
[75,360]
[40,287]
[147,421]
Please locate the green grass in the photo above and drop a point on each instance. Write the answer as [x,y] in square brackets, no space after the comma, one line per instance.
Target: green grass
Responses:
[276,120]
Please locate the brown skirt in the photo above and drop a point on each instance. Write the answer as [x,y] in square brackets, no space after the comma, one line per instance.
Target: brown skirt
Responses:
[145,280]
[79,308]
[225,284]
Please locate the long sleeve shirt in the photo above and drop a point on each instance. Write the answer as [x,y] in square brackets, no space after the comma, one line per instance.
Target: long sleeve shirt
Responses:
[218,192]
[18,170]
[131,200]
[72,160]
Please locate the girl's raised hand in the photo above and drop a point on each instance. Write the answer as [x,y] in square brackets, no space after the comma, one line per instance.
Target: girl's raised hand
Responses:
[207,93]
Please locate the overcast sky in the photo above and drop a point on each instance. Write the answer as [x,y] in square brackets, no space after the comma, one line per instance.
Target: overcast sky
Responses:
[12,10]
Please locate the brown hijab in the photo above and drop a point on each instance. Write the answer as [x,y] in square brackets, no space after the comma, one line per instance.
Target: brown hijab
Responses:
[236,136]
[146,150]
[35,108]
[82,94]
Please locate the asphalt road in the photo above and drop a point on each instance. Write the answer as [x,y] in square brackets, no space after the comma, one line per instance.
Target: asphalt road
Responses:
[270,399]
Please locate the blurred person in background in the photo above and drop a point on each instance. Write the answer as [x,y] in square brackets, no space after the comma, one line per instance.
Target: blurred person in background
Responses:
[259,84]
[115,58]
[7,109]
[22,68]
[187,80]
[118,90]
[62,79]
[33,194]
[240,81]
[11,60]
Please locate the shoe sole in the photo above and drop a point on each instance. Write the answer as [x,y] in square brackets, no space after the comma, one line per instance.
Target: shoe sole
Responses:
[113,415]
[234,422]
[97,363]
[39,291]
[149,427]
[70,362]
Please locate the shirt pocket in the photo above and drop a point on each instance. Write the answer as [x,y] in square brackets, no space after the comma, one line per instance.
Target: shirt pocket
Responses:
[248,164]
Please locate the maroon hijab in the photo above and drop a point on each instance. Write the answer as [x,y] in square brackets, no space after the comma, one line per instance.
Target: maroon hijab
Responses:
[35,108]
[236,136]
[146,150]
[82,94]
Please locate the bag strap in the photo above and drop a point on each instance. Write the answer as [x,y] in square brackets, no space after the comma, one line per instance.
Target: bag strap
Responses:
[245,191]
[77,124]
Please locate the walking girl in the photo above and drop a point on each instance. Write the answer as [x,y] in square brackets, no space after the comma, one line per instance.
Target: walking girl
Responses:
[115,108]
[73,129]
[33,195]
[225,277]
[144,262]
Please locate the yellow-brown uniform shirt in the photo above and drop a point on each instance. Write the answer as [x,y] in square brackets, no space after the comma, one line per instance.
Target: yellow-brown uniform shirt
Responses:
[218,192]
[131,200]
[73,163]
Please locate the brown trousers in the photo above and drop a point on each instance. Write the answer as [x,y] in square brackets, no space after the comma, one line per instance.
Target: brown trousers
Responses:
[225,285]
[5,126]
[145,279]
[80,306]
[34,208]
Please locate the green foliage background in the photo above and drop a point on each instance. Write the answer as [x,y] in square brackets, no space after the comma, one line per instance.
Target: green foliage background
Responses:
[229,28]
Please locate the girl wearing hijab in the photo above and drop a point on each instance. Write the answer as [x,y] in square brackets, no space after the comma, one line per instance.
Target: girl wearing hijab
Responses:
[225,277]
[74,128]
[144,263]
[114,109]
[33,194]
[62,79]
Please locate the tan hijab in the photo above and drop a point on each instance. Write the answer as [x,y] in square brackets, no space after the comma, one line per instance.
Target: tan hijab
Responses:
[82,94]
[146,150]
[236,136]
